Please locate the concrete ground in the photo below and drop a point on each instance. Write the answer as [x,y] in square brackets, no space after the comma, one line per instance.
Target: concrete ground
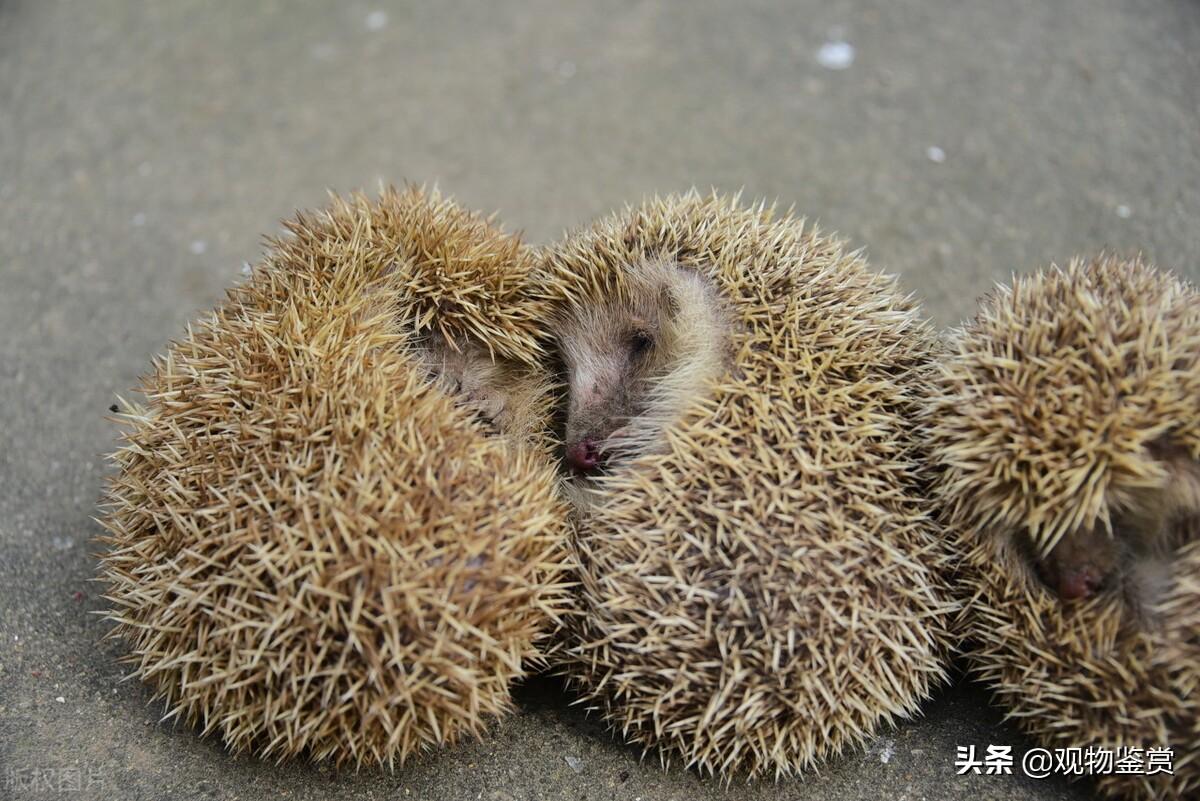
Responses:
[144,148]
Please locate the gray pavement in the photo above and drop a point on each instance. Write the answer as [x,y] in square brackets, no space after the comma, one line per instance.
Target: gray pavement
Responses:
[145,147]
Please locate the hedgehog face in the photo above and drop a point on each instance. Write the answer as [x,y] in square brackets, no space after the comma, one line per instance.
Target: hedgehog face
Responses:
[1082,563]
[635,359]
[1134,557]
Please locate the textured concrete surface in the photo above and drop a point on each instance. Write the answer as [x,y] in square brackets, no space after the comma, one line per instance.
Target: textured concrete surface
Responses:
[144,148]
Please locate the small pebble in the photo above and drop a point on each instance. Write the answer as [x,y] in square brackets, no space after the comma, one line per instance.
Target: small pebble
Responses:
[935,154]
[575,763]
[1124,212]
[246,268]
[836,55]
[377,20]
[198,246]
[61,700]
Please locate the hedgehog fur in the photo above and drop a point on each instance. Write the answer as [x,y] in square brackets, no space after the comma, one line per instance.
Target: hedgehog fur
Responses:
[317,541]
[1070,402]
[766,590]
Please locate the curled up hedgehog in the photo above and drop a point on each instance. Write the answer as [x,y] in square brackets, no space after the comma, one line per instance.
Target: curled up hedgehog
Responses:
[1066,426]
[335,527]
[760,585]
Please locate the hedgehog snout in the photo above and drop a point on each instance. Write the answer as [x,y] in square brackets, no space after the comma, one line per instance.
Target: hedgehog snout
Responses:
[1079,584]
[584,455]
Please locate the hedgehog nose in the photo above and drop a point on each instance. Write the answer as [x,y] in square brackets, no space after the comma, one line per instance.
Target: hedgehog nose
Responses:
[1078,584]
[583,456]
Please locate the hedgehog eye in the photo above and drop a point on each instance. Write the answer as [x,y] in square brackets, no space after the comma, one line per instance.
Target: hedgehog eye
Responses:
[640,342]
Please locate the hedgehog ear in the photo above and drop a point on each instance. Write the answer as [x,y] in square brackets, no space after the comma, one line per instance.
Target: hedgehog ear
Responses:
[1183,488]
[668,300]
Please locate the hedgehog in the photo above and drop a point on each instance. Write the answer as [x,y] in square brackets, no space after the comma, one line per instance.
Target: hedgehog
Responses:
[759,582]
[1065,435]
[335,528]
